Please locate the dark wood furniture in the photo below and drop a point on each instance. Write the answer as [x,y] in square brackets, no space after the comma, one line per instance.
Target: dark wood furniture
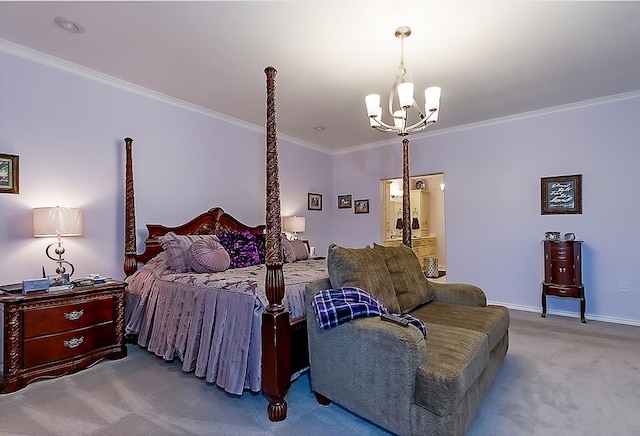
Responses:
[49,334]
[563,273]
[281,356]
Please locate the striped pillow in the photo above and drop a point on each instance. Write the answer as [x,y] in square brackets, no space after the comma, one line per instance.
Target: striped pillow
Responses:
[177,246]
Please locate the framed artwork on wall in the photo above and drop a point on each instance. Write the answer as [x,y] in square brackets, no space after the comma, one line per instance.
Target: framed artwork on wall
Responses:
[361,206]
[9,174]
[314,201]
[344,201]
[561,194]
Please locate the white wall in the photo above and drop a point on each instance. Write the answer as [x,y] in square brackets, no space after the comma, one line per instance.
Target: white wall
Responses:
[68,131]
[492,201]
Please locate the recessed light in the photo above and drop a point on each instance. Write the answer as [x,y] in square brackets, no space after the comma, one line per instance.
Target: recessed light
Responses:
[318,129]
[67,25]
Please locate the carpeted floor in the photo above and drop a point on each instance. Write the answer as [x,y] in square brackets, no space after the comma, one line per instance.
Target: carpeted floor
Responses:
[559,378]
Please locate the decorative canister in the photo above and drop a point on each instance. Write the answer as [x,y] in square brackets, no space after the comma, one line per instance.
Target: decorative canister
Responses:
[552,236]
[432,267]
[570,236]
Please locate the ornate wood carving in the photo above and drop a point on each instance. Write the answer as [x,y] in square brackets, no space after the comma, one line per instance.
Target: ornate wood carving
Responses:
[18,323]
[130,250]
[406,202]
[276,329]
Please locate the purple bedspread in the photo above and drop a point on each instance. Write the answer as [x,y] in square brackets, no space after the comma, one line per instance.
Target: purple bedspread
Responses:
[211,322]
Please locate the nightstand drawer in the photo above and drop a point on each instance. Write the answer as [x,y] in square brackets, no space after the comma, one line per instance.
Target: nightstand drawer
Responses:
[54,319]
[45,349]
[558,291]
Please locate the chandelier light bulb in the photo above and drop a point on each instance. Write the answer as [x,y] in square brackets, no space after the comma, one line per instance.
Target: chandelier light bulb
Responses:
[405,94]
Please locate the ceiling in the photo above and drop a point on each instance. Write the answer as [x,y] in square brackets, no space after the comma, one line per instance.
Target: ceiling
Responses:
[491,59]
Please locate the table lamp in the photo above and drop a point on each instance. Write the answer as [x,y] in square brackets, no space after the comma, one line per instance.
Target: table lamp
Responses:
[294,224]
[57,221]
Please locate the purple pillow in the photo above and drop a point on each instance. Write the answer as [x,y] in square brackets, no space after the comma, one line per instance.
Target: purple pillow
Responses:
[208,256]
[241,246]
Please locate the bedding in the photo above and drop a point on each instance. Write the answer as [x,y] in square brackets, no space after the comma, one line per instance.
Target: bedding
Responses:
[211,322]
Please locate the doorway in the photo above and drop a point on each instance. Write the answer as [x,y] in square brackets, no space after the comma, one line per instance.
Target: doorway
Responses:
[426,214]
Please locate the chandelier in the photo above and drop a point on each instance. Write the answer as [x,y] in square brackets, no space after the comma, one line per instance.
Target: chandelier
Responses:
[402,90]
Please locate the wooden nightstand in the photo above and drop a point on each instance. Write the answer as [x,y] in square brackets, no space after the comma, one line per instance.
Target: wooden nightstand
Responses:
[50,334]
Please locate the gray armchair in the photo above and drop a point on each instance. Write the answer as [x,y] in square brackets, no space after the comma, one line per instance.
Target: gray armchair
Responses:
[393,376]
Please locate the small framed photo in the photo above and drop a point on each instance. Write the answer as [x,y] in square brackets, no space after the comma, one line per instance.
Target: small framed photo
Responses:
[9,174]
[561,195]
[57,281]
[361,206]
[314,201]
[344,201]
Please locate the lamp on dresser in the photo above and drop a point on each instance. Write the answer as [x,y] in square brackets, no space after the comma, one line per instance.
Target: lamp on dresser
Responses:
[294,224]
[58,221]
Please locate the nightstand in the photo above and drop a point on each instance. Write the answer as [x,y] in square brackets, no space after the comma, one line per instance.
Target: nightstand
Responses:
[49,334]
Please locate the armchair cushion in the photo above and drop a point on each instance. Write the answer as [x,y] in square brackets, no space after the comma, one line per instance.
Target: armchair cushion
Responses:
[362,268]
[491,320]
[411,286]
[455,359]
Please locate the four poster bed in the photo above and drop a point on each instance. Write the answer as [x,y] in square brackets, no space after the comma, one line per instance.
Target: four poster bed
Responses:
[241,328]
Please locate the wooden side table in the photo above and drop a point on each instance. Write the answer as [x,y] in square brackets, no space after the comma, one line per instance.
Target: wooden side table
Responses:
[55,333]
[563,273]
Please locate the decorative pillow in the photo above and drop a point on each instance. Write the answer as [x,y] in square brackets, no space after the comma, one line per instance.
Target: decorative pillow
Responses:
[287,249]
[411,285]
[208,255]
[261,243]
[241,246]
[299,249]
[177,246]
[362,268]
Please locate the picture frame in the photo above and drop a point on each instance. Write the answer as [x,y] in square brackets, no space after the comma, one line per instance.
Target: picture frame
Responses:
[314,201]
[9,174]
[344,201]
[361,206]
[58,281]
[561,195]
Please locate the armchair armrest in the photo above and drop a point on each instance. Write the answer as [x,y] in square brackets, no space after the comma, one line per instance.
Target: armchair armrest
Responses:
[365,365]
[459,293]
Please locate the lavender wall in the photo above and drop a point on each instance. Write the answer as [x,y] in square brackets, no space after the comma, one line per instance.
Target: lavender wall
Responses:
[492,201]
[68,131]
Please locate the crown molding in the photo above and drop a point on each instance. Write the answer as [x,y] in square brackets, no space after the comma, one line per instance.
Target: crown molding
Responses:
[502,120]
[70,67]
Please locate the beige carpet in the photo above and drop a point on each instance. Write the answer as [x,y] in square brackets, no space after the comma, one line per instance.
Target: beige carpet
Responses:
[559,378]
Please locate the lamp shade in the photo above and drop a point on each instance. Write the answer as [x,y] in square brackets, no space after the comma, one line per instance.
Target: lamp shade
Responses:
[57,221]
[294,224]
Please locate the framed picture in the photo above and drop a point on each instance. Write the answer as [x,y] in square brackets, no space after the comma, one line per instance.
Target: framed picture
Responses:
[9,174]
[314,201]
[344,201]
[561,194]
[361,206]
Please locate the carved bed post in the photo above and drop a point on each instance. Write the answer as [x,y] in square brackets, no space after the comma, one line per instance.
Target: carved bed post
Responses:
[406,205]
[276,330]
[130,250]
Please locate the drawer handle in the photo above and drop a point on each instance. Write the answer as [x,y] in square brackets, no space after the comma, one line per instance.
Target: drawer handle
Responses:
[75,342]
[72,316]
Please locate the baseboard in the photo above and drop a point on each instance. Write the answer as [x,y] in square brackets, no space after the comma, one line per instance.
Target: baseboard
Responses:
[588,316]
